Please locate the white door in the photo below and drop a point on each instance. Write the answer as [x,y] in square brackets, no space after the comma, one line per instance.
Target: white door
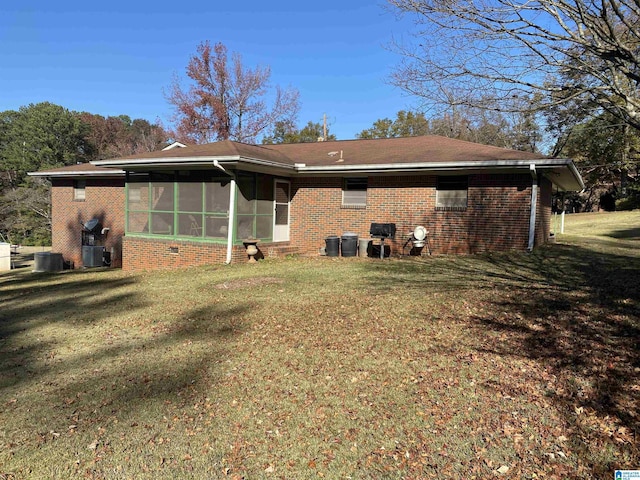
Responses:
[282,190]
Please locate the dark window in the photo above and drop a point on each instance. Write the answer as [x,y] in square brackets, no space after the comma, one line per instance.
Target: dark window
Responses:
[451,192]
[79,190]
[354,192]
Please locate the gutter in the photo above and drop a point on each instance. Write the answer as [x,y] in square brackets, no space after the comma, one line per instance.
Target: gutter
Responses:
[534,205]
[199,161]
[165,161]
[303,168]
[399,167]
[342,168]
[83,173]
[576,174]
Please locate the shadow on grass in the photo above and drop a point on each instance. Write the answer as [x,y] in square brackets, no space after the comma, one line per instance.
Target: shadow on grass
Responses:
[135,363]
[32,301]
[628,233]
[572,310]
[166,369]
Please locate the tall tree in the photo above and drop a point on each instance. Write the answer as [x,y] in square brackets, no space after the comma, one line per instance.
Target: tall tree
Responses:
[463,123]
[35,137]
[226,100]
[607,153]
[406,124]
[110,137]
[39,136]
[285,132]
[498,55]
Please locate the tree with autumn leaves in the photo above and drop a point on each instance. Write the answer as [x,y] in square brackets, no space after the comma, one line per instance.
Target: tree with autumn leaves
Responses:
[224,100]
[43,136]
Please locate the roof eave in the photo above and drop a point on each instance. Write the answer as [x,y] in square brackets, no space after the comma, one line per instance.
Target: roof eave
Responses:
[165,162]
[570,181]
[76,173]
[138,163]
[566,177]
[268,163]
[424,165]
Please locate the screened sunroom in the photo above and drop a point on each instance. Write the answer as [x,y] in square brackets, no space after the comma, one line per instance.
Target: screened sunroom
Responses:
[196,205]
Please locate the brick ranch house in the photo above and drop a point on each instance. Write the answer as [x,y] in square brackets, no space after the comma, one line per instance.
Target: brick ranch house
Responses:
[195,205]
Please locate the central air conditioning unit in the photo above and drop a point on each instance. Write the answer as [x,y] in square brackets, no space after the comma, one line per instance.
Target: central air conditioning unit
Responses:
[92,256]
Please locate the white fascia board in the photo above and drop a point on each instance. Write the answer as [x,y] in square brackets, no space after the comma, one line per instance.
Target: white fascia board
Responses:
[113,173]
[174,145]
[191,161]
[576,174]
[542,164]
[567,179]
[267,163]
[426,166]
[165,162]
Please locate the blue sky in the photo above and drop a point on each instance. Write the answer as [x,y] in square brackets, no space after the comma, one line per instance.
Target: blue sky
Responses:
[116,57]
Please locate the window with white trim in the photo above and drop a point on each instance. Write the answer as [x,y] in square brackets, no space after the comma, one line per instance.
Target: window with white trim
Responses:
[452,192]
[354,192]
[79,190]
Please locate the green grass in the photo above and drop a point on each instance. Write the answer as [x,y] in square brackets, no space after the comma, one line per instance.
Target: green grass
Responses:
[440,367]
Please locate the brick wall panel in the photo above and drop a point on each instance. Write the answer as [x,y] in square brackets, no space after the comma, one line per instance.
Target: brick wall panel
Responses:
[104,199]
[497,218]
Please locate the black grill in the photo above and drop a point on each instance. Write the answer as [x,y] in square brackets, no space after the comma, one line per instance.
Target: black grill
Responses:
[382,231]
[93,251]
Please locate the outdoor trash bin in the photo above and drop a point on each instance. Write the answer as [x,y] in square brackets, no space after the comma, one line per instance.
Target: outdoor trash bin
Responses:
[349,244]
[333,246]
[363,247]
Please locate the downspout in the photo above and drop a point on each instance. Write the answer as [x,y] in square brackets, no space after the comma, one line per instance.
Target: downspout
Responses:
[232,216]
[534,204]
[232,211]
[216,164]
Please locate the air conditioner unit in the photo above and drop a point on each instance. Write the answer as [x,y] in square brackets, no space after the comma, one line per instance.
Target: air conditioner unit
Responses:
[92,256]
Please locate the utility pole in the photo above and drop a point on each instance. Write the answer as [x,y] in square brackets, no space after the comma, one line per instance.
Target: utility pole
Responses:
[324,126]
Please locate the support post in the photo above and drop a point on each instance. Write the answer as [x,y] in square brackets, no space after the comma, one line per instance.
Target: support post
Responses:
[232,215]
[534,204]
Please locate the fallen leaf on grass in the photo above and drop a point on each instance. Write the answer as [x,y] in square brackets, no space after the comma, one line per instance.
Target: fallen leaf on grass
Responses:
[503,469]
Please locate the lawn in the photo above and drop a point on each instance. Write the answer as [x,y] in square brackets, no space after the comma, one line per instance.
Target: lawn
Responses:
[508,365]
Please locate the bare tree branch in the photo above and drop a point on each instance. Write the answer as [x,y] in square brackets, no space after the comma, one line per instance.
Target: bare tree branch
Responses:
[492,54]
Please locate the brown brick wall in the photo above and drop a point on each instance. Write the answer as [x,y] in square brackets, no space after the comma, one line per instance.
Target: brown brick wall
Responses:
[104,200]
[497,216]
[152,254]
[543,217]
[159,254]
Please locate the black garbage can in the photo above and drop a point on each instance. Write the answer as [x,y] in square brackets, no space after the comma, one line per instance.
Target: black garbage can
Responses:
[349,244]
[333,246]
